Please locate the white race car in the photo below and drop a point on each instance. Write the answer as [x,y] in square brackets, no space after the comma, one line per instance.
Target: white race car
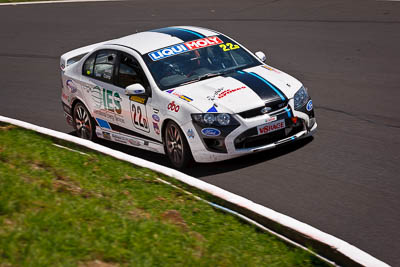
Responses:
[189,92]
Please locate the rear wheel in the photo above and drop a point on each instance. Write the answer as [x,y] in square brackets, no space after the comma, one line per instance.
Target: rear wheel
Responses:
[176,146]
[83,122]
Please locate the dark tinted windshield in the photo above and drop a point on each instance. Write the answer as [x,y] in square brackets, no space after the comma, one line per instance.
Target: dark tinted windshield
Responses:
[196,60]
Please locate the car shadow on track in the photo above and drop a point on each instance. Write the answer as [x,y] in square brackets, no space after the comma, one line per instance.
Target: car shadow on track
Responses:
[206,169]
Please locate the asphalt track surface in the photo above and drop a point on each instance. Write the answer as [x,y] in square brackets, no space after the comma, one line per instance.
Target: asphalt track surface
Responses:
[345,181]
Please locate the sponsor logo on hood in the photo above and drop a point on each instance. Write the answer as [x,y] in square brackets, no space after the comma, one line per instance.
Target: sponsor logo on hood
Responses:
[229,91]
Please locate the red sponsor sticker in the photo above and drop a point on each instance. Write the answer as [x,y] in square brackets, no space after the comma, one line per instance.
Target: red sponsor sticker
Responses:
[200,43]
[65,97]
[229,91]
[271,119]
[173,107]
[271,127]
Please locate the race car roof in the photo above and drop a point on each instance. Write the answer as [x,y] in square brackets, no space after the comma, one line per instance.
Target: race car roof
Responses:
[148,41]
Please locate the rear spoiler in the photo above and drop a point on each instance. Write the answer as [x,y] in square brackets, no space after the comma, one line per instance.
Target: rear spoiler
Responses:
[75,55]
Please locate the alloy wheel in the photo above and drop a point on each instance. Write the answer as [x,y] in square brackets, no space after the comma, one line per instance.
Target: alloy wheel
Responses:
[83,122]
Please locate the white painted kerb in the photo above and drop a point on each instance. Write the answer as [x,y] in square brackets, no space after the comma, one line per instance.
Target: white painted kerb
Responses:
[343,247]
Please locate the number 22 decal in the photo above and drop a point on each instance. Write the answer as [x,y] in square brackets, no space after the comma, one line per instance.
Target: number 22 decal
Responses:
[139,118]
[229,46]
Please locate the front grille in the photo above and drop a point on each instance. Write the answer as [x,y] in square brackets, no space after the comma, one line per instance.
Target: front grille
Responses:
[250,139]
[274,106]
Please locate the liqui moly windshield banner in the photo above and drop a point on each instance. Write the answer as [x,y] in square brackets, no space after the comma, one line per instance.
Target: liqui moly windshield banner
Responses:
[182,48]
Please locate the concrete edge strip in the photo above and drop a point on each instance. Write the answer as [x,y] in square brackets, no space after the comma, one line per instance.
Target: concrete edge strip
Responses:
[324,244]
[53,2]
[248,220]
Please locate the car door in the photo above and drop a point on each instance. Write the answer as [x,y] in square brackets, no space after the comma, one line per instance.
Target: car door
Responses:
[140,107]
[102,97]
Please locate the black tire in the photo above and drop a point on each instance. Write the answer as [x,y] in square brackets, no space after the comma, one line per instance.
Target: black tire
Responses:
[176,146]
[83,123]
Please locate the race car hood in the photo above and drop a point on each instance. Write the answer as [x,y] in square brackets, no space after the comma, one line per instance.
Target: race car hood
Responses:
[239,91]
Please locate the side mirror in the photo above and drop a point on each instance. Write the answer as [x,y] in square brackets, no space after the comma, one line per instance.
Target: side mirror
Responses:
[135,89]
[261,56]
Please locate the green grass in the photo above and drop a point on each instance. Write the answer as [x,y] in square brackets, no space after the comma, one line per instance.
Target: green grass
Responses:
[61,208]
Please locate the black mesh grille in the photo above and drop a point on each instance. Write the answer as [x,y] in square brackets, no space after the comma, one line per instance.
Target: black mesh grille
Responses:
[250,139]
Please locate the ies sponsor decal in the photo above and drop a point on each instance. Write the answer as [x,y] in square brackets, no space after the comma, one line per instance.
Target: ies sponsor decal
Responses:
[106,99]
[182,48]
[173,107]
[210,132]
[71,86]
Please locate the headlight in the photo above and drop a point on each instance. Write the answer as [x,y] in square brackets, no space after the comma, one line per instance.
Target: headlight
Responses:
[216,119]
[300,98]
[209,118]
[224,119]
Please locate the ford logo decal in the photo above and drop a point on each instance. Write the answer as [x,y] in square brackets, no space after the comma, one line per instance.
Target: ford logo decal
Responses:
[210,132]
[309,106]
[155,118]
[265,110]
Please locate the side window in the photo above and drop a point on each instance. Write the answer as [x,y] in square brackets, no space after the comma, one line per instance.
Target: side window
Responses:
[129,72]
[89,65]
[104,65]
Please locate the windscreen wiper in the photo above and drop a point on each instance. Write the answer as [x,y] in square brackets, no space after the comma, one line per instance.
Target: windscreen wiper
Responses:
[203,77]
[208,75]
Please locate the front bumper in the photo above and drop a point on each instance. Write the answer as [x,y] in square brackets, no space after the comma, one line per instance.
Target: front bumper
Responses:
[246,140]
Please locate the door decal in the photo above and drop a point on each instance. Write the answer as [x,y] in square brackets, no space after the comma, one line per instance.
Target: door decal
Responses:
[139,117]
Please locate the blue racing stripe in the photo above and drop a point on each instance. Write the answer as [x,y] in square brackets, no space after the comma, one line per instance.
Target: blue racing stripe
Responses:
[183,34]
[269,84]
[259,86]
[192,32]
[288,112]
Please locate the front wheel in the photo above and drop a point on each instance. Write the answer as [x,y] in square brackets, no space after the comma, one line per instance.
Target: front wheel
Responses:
[83,122]
[176,146]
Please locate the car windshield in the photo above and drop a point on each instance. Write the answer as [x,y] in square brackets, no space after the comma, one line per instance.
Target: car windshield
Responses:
[197,60]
